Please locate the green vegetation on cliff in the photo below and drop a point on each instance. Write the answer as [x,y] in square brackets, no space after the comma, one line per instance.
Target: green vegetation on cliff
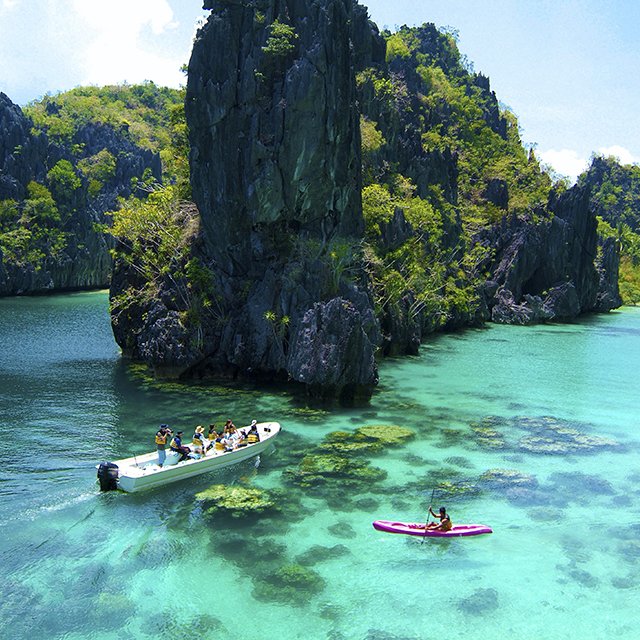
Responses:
[101,143]
[467,170]
[615,199]
[140,113]
[32,229]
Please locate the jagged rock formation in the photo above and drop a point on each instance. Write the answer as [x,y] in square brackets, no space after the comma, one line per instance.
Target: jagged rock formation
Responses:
[84,262]
[275,170]
[608,266]
[22,154]
[551,270]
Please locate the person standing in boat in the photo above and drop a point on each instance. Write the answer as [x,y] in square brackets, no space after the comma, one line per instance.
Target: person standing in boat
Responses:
[177,446]
[161,442]
[445,523]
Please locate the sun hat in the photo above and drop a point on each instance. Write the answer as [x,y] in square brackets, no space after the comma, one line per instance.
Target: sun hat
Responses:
[254,422]
[199,429]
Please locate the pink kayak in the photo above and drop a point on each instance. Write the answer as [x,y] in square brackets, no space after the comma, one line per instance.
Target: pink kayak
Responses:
[417,529]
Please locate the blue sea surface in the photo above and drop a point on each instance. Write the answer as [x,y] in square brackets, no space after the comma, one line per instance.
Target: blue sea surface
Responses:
[532,430]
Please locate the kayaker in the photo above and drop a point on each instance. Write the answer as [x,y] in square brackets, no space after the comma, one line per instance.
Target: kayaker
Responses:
[177,446]
[161,442]
[445,523]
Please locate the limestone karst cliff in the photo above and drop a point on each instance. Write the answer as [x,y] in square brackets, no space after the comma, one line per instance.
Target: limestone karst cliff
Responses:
[354,191]
[51,210]
[276,176]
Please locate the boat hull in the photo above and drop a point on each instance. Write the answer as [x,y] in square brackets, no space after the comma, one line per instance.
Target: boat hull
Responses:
[142,472]
[418,529]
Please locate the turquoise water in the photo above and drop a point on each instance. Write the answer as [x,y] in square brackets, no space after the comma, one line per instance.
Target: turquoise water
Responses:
[553,407]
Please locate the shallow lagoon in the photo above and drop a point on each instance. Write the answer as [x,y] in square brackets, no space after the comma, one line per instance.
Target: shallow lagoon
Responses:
[556,406]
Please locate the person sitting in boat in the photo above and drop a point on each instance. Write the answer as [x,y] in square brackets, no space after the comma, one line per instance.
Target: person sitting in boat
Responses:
[212,436]
[252,435]
[230,439]
[219,444]
[228,425]
[177,446]
[161,442]
[239,438]
[198,441]
[445,523]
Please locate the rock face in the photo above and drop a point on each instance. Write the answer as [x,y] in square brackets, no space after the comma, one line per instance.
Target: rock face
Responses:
[25,157]
[274,138]
[553,270]
[22,154]
[275,173]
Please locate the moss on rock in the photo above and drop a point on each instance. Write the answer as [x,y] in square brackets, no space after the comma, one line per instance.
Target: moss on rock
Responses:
[238,502]
[322,469]
[346,443]
[385,434]
[486,436]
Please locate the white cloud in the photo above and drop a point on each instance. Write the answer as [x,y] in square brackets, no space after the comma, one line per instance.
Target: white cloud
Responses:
[126,16]
[7,5]
[566,162]
[570,164]
[623,155]
[92,42]
[126,41]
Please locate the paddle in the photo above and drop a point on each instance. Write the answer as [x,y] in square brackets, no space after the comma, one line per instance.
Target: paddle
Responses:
[428,516]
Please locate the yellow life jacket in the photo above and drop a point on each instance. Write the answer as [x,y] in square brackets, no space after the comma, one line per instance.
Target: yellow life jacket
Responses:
[219,445]
[161,439]
[252,438]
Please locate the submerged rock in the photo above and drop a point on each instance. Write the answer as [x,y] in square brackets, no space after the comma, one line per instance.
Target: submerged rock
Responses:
[318,470]
[486,435]
[480,602]
[567,442]
[508,479]
[290,584]
[365,440]
[239,502]
[385,434]
[318,553]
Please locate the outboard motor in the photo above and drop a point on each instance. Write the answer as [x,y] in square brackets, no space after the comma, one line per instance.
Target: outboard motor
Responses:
[108,476]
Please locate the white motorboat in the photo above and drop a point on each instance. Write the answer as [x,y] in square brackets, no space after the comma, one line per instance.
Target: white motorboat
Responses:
[144,472]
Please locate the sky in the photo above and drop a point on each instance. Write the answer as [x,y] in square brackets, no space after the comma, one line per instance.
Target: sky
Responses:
[566,68]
